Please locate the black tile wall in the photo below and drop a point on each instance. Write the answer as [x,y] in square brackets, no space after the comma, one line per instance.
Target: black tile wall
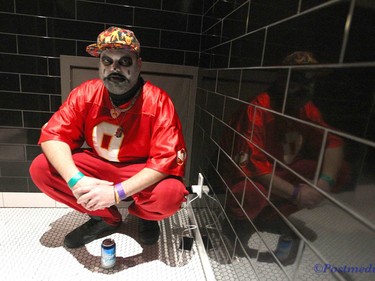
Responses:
[115,14]
[9,43]
[228,82]
[19,136]
[40,84]
[194,23]
[45,46]
[54,65]
[307,4]
[160,19]
[247,50]
[19,24]
[219,56]
[191,6]
[6,6]
[263,13]
[243,45]
[360,44]
[9,82]
[150,37]
[211,37]
[8,184]
[10,100]
[155,4]
[163,55]
[236,23]
[215,104]
[255,81]
[320,31]
[23,64]
[181,41]
[12,153]
[11,118]
[69,29]
[32,152]
[35,119]
[35,33]
[59,9]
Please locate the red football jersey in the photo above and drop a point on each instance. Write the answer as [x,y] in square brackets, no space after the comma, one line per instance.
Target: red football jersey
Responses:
[266,131]
[152,131]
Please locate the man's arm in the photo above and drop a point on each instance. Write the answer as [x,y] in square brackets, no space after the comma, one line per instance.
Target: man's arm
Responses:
[307,196]
[99,197]
[143,179]
[59,155]
[333,158]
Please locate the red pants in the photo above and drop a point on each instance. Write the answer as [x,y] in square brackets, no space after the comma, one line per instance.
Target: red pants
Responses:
[156,202]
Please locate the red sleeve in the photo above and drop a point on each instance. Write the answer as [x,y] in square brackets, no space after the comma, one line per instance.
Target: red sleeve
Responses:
[66,124]
[249,157]
[258,161]
[167,147]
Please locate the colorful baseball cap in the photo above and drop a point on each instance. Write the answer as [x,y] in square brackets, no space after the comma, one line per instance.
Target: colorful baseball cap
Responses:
[114,38]
[300,58]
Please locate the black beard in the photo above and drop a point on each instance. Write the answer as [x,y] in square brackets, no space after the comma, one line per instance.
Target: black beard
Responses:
[116,78]
[125,97]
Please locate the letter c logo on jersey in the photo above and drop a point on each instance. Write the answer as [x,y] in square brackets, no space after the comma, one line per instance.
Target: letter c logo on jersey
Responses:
[181,156]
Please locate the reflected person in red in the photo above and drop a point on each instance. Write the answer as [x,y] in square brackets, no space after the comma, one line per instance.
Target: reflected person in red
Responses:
[289,141]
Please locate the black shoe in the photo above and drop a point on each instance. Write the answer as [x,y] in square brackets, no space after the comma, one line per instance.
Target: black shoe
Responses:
[149,231]
[87,232]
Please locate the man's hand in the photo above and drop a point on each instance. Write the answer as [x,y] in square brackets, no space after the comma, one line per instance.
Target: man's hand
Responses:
[94,194]
[308,197]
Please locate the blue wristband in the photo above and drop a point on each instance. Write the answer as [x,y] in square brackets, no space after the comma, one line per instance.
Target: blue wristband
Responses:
[72,182]
[331,181]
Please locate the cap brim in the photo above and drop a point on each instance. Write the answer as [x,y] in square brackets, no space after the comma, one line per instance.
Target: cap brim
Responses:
[96,50]
[93,50]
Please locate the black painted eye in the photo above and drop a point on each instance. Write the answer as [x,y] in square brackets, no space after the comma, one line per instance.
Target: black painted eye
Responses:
[106,60]
[126,61]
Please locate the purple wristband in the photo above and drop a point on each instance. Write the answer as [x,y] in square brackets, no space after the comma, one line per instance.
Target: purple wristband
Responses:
[120,191]
[296,189]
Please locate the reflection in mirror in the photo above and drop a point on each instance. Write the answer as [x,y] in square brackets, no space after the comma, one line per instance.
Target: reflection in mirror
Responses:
[340,239]
[343,96]
[256,81]
[290,169]
[282,166]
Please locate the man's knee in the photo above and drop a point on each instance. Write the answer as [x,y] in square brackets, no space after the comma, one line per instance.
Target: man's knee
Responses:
[170,193]
[38,167]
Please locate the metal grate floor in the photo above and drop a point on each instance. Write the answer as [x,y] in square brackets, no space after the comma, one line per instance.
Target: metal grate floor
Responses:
[31,246]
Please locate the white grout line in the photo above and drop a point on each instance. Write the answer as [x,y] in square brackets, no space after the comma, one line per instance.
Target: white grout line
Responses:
[210,276]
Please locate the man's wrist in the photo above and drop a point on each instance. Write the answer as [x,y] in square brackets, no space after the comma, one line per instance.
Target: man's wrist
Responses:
[328,179]
[120,191]
[73,180]
[295,192]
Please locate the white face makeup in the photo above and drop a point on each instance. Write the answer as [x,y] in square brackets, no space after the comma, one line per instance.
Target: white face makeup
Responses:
[119,69]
